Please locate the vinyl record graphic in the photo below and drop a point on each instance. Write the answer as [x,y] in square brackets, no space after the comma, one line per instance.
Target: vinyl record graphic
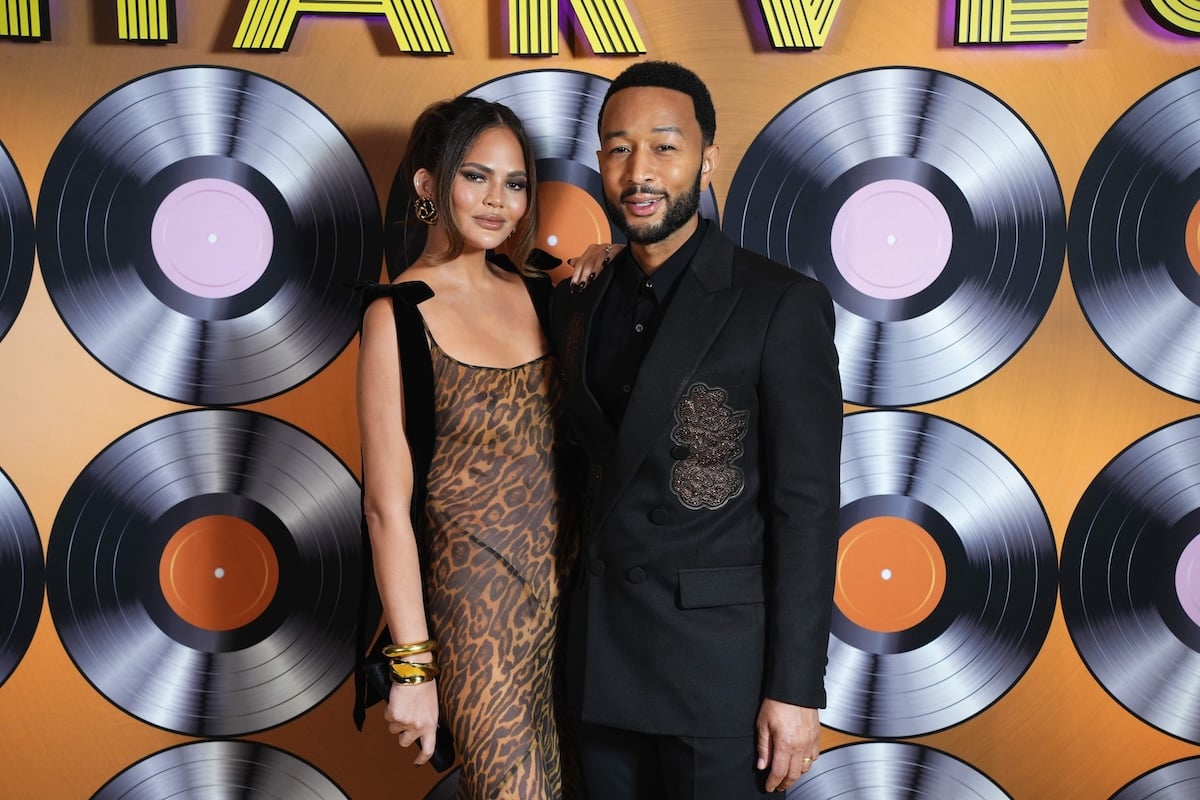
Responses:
[203,572]
[22,578]
[1179,780]
[559,109]
[221,769]
[1135,237]
[215,219]
[929,210]
[946,577]
[893,771]
[16,242]
[1131,578]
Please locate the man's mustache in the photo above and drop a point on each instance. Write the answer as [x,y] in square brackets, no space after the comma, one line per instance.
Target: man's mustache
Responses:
[632,190]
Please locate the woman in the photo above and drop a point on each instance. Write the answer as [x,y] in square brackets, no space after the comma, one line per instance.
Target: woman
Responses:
[471,582]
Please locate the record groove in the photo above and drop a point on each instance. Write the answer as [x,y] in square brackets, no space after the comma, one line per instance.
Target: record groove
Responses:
[218,220]
[1131,578]
[930,211]
[559,109]
[16,242]
[899,770]
[1135,237]
[943,506]
[212,769]
[203,572]
[22,577]
[1179,780]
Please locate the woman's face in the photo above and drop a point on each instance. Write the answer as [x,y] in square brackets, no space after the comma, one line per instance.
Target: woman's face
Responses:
[490,193]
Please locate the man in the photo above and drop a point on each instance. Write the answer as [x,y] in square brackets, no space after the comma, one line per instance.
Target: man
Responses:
[702,382]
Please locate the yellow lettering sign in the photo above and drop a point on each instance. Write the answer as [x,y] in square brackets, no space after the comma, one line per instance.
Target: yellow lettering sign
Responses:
[799,24]
[27,20]
[607,26]
[1021,21]
[1181,16]
[270,24]
[146,20]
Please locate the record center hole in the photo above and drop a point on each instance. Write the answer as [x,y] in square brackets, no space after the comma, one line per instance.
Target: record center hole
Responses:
[886,575]
[552,240]
[219,573]
[212,238]
[891,238]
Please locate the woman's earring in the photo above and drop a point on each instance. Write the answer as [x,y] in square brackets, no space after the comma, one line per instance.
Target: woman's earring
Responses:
[426,210]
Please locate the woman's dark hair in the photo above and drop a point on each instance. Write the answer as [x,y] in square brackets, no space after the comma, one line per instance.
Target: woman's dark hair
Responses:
[439,142]
[668,75]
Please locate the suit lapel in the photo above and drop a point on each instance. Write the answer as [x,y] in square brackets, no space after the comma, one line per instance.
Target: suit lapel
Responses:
[702,303]
[591,423]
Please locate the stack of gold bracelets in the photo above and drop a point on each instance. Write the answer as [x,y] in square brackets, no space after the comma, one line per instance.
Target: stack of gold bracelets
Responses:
[410,673]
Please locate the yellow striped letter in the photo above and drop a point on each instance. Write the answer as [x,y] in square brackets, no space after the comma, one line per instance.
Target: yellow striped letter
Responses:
[607,26]
[798,24]
[270,24]
[25,20]
[1181,16]
[1021,21]
[146,20]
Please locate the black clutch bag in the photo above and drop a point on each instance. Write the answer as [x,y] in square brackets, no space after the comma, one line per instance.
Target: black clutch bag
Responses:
[377,670]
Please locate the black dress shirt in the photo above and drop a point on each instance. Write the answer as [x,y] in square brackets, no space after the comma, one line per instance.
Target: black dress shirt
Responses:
[626,320]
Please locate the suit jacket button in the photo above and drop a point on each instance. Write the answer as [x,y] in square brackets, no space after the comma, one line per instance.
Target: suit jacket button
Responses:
[658,516]
[680,451]
[636,575]
[596,567]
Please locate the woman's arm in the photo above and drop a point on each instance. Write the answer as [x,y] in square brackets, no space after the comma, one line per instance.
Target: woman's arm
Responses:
[412,711]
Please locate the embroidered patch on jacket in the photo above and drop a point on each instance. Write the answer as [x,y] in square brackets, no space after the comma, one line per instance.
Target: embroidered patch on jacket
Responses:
[712,433]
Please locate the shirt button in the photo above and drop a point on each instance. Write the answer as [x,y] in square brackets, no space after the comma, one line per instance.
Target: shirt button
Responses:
[596,567]
[659,516]
[639,327]
[636,575]
[626,388]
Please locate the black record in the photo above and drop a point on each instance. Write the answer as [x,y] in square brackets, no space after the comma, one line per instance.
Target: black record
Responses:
[559,109]
[1131,578]
[1135,237]
[985,523]
[1179,780]
[930,211]
[893,770]
[131,537]
[219,769]
[16,242]
[200,230]
[22,577]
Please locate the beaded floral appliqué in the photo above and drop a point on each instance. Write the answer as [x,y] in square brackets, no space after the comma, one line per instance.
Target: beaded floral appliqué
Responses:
[712,433]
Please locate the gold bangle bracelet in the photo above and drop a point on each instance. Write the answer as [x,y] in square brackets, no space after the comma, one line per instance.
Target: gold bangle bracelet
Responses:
[401,650]
[408,673]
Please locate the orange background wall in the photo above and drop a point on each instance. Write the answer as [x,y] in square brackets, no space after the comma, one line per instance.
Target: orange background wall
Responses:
[1060,409]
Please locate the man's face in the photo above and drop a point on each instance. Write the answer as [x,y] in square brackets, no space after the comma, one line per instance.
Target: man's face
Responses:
[653,164]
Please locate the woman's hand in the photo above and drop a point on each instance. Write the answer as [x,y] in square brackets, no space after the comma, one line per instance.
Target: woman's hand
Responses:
[412,714]
[591,263]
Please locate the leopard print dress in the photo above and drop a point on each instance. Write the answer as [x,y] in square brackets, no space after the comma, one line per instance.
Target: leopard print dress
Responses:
[498,561]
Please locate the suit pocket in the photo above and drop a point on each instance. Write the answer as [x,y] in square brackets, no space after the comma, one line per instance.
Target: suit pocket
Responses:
[721,586]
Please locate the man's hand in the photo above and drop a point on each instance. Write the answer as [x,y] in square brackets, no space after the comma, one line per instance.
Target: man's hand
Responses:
[789,741]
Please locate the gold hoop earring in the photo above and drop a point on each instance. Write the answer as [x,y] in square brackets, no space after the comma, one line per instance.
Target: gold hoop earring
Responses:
[426,210]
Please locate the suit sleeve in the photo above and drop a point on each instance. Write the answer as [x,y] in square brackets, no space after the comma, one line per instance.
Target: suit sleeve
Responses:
[801,421]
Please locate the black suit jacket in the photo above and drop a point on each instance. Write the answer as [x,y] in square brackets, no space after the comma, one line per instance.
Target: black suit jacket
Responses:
[711,528]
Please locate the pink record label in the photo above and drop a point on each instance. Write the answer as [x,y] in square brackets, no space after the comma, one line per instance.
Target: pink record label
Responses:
[212,238]
[1187,580]
[891,239]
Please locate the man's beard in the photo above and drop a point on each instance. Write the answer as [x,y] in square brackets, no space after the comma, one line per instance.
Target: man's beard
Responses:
[680,209]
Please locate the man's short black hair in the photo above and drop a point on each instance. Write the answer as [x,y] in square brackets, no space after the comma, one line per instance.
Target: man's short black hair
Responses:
[669,75]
